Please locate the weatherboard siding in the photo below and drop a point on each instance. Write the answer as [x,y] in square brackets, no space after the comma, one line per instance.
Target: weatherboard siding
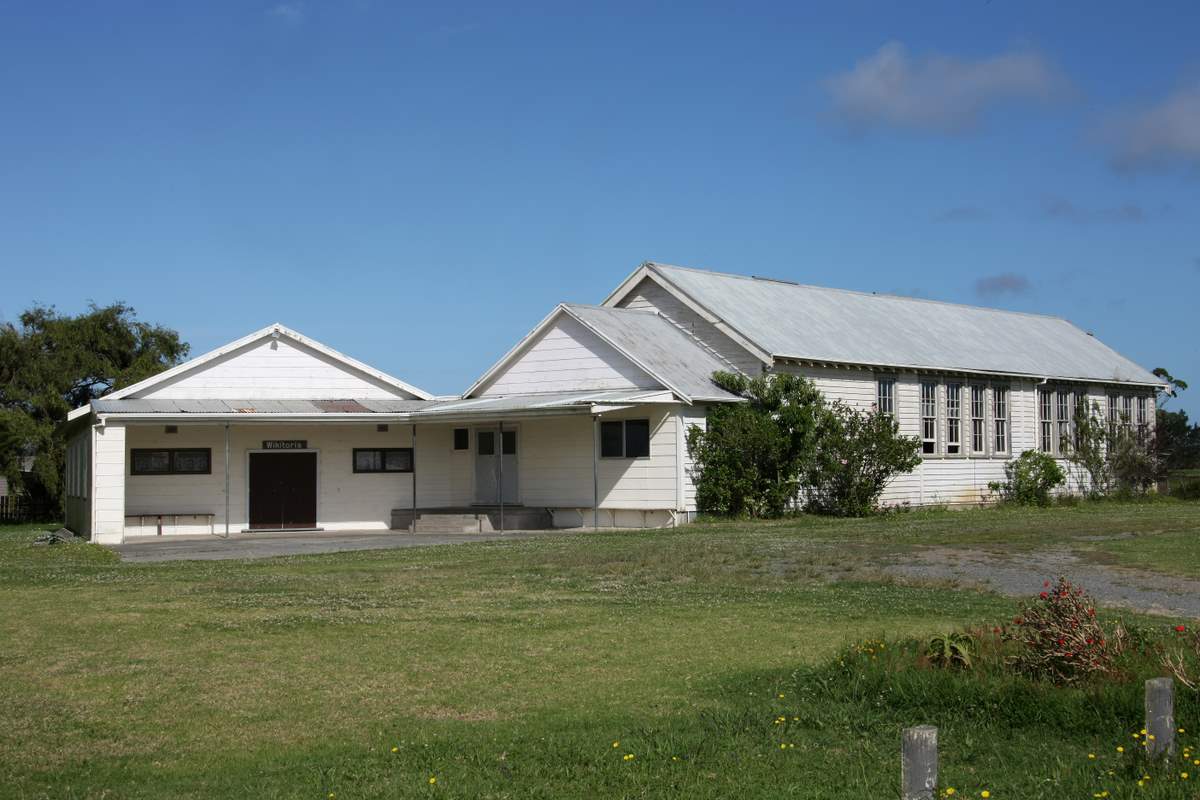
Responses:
[272,368]
[567,357]
[649,295]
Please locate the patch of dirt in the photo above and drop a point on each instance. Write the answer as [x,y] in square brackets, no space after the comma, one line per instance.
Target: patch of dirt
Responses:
[1022,575]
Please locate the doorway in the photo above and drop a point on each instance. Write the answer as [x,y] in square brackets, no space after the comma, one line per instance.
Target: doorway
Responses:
[490,464]
[283,491]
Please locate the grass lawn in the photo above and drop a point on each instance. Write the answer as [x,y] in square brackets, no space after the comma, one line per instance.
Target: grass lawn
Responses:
[532,668]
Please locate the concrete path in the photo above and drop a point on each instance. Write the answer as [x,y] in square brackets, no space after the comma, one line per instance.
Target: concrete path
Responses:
[266,545]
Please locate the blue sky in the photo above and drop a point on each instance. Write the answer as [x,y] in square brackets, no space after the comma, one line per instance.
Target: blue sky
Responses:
[418,186]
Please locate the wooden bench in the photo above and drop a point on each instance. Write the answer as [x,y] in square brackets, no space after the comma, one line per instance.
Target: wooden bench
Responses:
[174,516]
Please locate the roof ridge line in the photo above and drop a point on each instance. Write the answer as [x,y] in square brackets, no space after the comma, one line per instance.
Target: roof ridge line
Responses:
[799,285]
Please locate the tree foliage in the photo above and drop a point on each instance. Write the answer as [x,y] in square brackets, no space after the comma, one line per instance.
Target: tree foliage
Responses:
[1177,440]
[1029,479]
[859,452]
[51,363]
[784,444]
[749,459]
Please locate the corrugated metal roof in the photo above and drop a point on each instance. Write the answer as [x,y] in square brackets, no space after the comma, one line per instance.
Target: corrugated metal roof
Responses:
[410,409]
[661,348]
[836,325]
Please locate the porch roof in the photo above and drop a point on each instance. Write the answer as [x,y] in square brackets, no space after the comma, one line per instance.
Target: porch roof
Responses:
[375,409]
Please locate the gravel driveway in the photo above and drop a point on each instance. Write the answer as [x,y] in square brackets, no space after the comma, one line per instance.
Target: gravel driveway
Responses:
[1022,575]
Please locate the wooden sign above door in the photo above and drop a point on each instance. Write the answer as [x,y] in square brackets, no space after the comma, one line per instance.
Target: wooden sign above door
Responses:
[285,444]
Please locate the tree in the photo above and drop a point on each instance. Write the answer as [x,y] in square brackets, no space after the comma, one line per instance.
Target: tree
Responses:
[858,453]
[1174,385]
[51,363]
[1177,440]
[749,459]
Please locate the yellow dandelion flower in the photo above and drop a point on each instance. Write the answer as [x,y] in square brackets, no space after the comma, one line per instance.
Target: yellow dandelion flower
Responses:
[1141,783]
[949,791]
[782,746]
[616,744]
[1092,756]
[395,749]
[432,779]
[1183,775]
[985,794]
[781,696]
[1181,730]
[1120,749]
[1151,737]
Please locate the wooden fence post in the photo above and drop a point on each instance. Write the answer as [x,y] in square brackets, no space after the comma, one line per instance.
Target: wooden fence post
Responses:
[1160,717]
[918,763]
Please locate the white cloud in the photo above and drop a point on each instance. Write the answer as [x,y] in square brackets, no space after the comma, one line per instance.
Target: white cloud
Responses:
[1164,134]
[937,92]
[290,13]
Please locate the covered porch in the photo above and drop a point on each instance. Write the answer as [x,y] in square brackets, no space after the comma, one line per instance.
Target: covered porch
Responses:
[226,468]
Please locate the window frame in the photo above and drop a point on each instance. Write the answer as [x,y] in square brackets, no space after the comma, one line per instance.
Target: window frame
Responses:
[466,435]
[981,419]
[624,439]
[1047,399]
[170,470]
[927,422]
[383,451]
[891,383]
[1001,424]
[954,420]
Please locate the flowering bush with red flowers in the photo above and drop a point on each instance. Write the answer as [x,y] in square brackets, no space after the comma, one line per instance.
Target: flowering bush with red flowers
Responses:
[1059,637]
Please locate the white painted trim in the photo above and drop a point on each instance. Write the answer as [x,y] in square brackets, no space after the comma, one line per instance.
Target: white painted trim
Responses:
[246,486]
[263,333]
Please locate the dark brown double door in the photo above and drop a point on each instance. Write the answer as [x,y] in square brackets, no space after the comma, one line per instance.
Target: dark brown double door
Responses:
[283,491]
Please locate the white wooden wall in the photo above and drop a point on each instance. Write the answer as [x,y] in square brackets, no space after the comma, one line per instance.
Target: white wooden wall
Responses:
[568,357]
[273,368]
[651,296]
[108,484]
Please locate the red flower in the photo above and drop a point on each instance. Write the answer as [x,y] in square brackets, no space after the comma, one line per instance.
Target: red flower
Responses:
[1180,628]
[1044,595]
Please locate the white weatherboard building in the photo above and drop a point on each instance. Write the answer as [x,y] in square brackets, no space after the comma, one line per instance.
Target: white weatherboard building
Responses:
[583,422]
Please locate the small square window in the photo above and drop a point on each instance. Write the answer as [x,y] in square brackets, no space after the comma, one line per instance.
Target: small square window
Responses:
[381,428]
[171,429]
[462,439]
[637,438]
[485,443]
[508,443]
[611,440]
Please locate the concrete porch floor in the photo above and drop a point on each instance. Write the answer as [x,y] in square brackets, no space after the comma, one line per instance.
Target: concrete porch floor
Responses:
[268,545]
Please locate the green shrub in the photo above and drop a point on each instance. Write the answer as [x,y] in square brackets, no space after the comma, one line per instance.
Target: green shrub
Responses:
[1029,479]
[950,650]
[859,452]
[748,461]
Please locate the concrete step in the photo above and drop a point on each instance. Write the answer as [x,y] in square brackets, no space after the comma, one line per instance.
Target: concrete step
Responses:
[486,520]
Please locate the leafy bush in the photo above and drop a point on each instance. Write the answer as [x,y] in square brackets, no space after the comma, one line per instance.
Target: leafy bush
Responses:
[859,452]
[1059,637]
[1110,458]
[1136,467]
[749,460]
[1030,478]
[950,650]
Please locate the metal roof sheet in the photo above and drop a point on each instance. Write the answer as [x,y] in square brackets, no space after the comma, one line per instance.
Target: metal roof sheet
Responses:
[837,325]
[660,347]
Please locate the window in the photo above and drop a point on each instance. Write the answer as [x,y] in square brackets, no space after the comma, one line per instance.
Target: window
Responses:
[928,417]
[1113,414]
[508,443]
[485,443]
[1000,418]
[383,459]
[628,438]
[1127,411]
[886,395]
[1045,420]
[190,461]
[462,439]
[381,428]
[1063,418]
[953,418]
[978,406]
[1143,429]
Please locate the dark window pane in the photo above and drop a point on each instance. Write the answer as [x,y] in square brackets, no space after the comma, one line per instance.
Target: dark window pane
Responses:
[610,439]
[485,443]
[397,460]
[368,460]
[462,439]
[509,445]
[192,461]
[637,438]
[151,462]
